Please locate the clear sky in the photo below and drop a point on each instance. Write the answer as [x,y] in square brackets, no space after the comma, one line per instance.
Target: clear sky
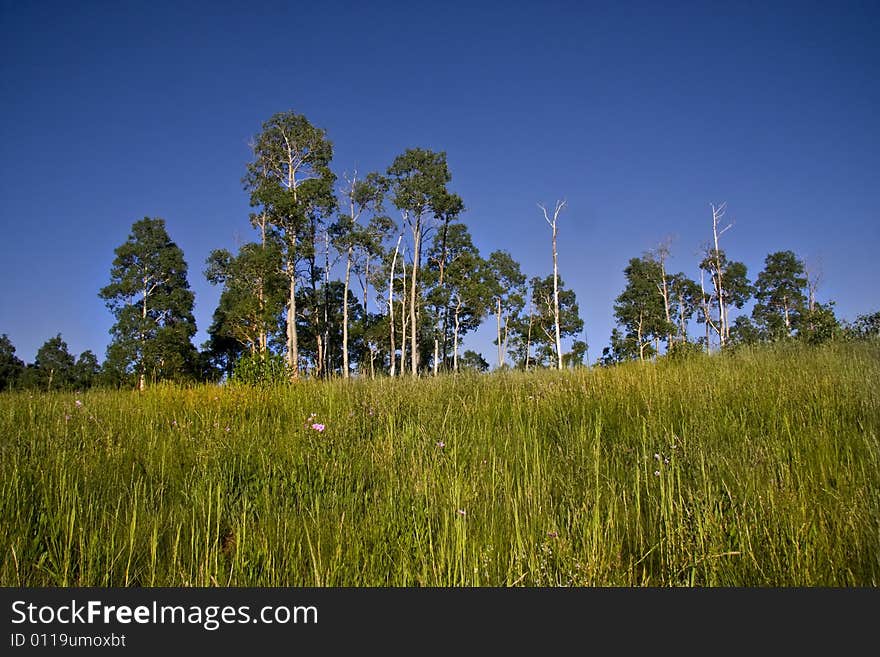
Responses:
[638,114]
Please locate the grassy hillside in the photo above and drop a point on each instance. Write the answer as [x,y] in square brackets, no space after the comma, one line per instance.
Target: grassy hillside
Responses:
[754,469]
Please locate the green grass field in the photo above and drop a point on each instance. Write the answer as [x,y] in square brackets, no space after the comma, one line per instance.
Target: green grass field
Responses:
[753,469]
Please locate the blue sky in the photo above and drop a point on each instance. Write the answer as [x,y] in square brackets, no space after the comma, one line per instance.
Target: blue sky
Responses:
[638,114]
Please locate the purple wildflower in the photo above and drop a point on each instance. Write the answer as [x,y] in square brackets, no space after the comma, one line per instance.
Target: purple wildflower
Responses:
[318,427]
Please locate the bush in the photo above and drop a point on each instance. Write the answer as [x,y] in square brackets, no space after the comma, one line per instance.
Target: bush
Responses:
[261,369]
[684,350]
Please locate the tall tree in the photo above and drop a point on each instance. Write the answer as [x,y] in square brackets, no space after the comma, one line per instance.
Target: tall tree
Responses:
[459,286]
[539,328]
[54,365]
[419,191]
[661,254]
[11,367]
[714,264]
[150,297]
[290,179]
[554,229]
[508,291]
[86,370]
[685,295]
[780,294]
[356,241]
[730,288]
[253,294]
[639,309]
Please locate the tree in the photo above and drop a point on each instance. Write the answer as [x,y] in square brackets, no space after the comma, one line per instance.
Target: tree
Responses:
[150,298]
[685,295]
[554,223]
[54,365]
[539,328]
[508,290]
[11,367]
[463,291]
[353,239]
[86,370]
[779,291]
[639,309]
[621,348]
[731,288]
[473,361]
[315,338]
[819,324]
[866,326]
[290,179]
[744,332]
[729,283]
[253,296]
[418,180]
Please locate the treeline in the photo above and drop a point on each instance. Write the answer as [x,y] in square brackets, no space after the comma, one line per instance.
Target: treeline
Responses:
[409,286]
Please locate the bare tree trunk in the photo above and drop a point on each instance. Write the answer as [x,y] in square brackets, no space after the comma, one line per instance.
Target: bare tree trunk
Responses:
[662,254]
[345,313]
[142,379]
[327,371]
[681,319]
[455,338]
[498,321]
[707,316]
[723,329]
[529,335]
[292,341]
[262,338]
[641,342]
[413,309]
[391,306]
[553,225]
[403,319]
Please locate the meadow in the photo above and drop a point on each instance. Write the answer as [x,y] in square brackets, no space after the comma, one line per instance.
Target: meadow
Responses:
[756,468]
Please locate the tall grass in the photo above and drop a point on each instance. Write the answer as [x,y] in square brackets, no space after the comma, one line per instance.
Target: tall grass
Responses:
[755,469]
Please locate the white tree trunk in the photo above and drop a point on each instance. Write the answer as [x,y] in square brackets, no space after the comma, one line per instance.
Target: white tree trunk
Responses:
[554,225]
[498,321]
[345,314]
[393,352]
[292,339]
[413,306]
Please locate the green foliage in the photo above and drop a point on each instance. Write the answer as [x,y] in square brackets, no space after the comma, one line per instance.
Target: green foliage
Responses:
[507,285]
[473,361]
[11,367]
[253,296]
[819,325]
[780,295]
[535,330]
[150,298]
[639,308]
[261,370]
[744,332]
[865,326]
[638,475]
[418,179]
[735,286]
[54,365]
[682,351]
